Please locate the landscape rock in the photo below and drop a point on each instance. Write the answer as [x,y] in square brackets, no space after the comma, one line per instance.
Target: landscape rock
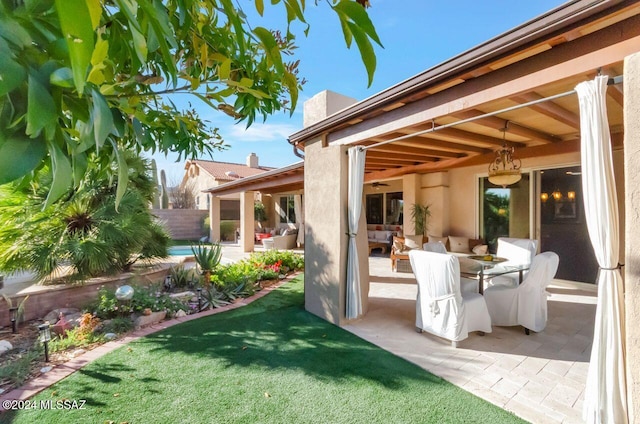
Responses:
[110,336]
[5,346]
[77,352]
[145,320]
[54,315]
[180,314]
[45,369]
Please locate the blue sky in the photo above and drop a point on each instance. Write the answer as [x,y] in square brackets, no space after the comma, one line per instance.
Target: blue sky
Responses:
[416,34]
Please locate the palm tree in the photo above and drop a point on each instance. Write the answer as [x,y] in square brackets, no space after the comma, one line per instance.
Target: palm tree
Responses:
[84,231]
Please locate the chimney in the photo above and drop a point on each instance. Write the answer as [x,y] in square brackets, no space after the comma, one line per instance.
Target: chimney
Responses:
[324,104]
[252,160]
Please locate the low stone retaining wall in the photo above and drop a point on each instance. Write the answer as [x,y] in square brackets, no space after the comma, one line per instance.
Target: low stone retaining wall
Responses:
[40,302]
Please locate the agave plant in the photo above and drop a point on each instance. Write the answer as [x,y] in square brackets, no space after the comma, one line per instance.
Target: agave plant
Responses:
[207,258]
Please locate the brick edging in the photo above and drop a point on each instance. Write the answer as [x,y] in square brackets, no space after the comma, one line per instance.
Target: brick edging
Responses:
[58,372]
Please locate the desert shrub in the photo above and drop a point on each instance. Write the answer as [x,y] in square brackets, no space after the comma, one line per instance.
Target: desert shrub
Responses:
[107,306]
[227,230]
[118,325]
[289,261]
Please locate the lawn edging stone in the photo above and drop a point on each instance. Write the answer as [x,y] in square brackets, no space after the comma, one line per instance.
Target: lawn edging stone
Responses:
[57,373]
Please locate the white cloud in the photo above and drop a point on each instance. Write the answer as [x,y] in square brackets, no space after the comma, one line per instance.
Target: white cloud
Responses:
[258,132]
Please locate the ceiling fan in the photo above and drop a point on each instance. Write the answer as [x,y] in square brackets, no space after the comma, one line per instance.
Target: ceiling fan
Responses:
[378,185]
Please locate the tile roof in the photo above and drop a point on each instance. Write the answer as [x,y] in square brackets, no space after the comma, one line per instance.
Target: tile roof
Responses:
[219,170]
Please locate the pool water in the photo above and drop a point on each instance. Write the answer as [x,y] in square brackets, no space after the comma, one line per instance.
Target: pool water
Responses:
[180,251]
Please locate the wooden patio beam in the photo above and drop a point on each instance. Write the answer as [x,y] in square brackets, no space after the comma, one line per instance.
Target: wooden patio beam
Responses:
[499,123]
[390,149]
[550,109]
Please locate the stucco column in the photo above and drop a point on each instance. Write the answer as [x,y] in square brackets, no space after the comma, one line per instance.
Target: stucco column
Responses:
[632,228]
[410,196]
[326,227]
[435,193]
[214,219]
[247,220]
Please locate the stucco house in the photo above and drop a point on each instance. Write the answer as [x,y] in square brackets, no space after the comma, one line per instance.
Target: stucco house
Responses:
[432,138]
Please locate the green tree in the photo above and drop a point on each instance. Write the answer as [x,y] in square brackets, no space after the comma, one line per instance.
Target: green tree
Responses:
[88,77]
[420,215]
[83,231]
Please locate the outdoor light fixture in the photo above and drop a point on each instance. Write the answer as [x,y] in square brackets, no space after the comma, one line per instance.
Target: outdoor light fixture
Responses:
[544,197]
[45,338]
[571,195]
[557,194]
[13,312]
[505,169]
[199,290]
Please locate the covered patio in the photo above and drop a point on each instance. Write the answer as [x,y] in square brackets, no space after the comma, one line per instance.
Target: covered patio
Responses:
[436,133]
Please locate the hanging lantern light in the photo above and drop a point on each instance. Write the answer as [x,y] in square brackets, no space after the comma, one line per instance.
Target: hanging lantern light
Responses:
[505,169]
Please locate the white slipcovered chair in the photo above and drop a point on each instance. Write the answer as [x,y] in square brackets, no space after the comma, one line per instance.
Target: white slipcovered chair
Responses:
[526,304]
[434,246]
[517,251]
[441,308]
[467,285]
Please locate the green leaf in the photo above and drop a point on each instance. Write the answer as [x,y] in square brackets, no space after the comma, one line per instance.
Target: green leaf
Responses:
[224,70]
[76,24]
[19,156]
[80,165]
[62,175]
[123,174]
[41,110]
[270,47]
[14,32]
[292,84]
[95,10]
[62,77]
[11,73]
[359,16]
[366,51]
[260,7]
[140,45]
[236,22]
[160,26]
[102,119]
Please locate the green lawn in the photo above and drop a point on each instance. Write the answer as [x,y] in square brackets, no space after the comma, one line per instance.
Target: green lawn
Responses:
[269,362]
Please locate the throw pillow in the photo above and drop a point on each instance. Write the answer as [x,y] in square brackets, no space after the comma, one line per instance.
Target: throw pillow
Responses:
[459,244]
[413,242]
[398,246]
[435,239]
[480,249]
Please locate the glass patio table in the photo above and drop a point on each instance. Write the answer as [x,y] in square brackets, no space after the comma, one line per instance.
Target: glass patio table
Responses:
[477,268]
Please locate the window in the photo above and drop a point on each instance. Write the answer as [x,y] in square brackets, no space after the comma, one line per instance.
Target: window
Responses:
[504,211]
[394,206]
[374,208]
[385,205]
[287,210]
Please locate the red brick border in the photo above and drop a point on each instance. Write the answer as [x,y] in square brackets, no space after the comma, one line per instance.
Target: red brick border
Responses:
[40,383]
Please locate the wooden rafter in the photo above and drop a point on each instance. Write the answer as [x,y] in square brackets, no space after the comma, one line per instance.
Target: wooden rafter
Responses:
[498,123]
[550,109]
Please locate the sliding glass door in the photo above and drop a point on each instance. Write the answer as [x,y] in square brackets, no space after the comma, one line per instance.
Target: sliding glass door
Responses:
[504,212]
[562,226]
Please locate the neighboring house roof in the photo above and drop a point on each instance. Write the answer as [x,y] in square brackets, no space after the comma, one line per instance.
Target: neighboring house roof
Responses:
[227,171]
[287,178]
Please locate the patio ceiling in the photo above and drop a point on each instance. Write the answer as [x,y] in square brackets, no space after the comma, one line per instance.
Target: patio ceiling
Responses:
[493,77]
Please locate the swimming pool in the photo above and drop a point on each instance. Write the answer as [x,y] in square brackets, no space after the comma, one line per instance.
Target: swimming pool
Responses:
[180,251]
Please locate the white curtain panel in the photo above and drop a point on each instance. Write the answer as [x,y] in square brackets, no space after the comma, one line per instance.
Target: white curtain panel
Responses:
[299,211]
[605,394]
[356,180]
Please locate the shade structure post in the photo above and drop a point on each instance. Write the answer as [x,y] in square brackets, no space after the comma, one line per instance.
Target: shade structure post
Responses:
[606,391]
[357,158]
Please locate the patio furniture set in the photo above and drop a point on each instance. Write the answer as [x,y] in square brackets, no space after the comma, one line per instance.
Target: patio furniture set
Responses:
[452,301]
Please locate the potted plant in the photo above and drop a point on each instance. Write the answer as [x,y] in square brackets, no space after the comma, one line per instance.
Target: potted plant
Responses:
[420,215]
